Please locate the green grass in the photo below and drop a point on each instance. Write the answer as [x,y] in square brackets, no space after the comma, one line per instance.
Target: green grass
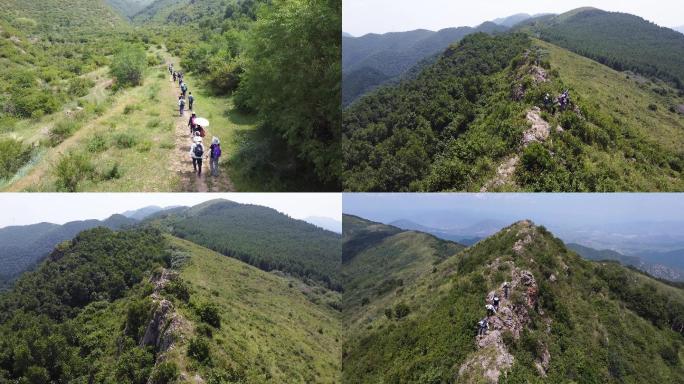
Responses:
[273,328]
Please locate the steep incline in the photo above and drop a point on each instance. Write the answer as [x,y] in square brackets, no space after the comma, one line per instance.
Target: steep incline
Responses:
[565,319]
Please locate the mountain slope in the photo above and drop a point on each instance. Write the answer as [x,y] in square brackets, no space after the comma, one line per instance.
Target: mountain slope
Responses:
[260,236]
[460,126]
[139,306]
[565,319]
[21,247]
[619,40]
[372,60]
[379,260]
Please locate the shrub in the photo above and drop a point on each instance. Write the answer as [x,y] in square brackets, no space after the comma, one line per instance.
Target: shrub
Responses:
[205,330]
[124,141]
[145,146]
[72,168]
[128,65]
[209,314]
[13,155]
[113,173]
[198,349]
[365,301]
[80,86]
[389,313]
[62,131]
[653,107]
[401,310]
[179,289]
[165,373]
[97,143]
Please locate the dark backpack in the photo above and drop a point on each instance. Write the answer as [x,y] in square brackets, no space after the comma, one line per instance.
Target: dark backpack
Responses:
[216,152]
[199,151]
[191,98]
[182,103]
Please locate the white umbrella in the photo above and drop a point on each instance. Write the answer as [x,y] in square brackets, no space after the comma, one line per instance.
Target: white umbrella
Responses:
[202,122]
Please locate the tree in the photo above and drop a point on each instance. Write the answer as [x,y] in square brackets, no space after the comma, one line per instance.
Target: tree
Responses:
[128,65]
[292,79]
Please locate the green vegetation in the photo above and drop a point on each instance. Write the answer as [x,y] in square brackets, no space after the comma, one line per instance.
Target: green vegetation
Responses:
[60,62]
[128,65]
[460,126]
[261,237]
[594,319]
[621,41]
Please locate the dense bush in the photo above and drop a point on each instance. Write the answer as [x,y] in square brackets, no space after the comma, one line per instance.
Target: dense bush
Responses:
[166,372]
[209,313]
[198,349]
[13,155]
[72,169]
[128,65]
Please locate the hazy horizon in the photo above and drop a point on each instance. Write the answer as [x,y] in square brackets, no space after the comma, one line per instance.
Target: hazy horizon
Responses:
[361,17]
[33,208]
[550,209]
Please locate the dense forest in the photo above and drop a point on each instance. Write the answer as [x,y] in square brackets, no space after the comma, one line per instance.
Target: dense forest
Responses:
[261,237]
[58,323]
[621,41]
[568,319]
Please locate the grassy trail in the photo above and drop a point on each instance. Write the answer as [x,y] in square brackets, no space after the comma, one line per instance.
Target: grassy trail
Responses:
[181,162]
[135,142]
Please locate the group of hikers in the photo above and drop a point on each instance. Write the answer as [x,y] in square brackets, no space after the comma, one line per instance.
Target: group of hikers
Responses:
[197,132]
[563,101]
[491,308]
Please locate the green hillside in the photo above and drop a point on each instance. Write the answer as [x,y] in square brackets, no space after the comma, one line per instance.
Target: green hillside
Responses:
[476,121]
[565,320]
[619,40]
[260,236]
[142,307]
[381,260]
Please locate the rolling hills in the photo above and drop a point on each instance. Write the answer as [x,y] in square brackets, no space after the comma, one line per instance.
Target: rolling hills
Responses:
[461,126]
[565,318]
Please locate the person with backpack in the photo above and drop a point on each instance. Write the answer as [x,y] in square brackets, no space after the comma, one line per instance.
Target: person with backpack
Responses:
[496,302]
[197,153]
[184,88]
[191,100]
[490,310]
[482,327]
[506,287]
[174,75]
[215,154]
[181,105]
[191,124]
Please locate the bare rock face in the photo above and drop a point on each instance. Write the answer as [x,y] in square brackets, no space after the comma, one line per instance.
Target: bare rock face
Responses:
[539,74]
[158,324]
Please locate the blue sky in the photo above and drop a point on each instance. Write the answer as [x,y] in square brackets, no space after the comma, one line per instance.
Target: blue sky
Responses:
[548,209]
[59,208]
[379,16]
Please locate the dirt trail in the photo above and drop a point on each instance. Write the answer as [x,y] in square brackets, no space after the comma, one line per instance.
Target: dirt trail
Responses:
[181,161]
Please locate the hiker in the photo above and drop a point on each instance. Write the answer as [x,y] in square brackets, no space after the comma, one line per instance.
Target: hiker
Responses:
[170,69]
[174,75]
[181,105]
[191,124]
[196,153]
[184,89]
[215,153]
[180,79]
[191,100]
[505,288]
[482,327]
[490,309]
[496,302]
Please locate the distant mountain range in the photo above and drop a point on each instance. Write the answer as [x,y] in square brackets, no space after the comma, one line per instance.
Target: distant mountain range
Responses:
[325,223]
[372,60]
[21,247]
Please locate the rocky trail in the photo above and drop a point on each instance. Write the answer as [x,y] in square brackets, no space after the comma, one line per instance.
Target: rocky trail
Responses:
[518,297]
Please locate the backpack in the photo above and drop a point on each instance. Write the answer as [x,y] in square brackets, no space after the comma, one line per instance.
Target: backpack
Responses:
[216,151]
[199,151]
[191,98]
[181,103]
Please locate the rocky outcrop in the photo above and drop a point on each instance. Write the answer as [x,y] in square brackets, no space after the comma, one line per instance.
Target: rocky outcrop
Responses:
[539,130]
[504,173]
[492,358]
[158,324]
